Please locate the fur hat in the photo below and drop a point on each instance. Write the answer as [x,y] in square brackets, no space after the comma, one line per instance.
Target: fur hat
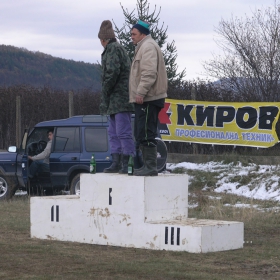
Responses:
[106,30]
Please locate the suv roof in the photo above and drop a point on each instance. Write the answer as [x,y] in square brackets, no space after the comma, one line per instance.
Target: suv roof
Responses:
[86,120]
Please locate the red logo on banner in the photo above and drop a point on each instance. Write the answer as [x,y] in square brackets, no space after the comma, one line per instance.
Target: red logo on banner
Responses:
[163,115]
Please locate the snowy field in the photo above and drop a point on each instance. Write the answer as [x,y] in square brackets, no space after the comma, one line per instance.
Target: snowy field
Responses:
[252,181]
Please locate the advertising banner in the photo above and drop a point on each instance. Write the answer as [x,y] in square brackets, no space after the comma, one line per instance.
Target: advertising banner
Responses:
[220,123]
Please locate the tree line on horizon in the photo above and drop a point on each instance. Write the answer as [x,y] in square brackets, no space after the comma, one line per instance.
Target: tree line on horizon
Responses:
[20,66]
[40,104]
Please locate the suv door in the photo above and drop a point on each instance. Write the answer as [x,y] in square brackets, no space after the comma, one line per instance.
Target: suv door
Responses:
[22,161]
[65,154]
[35,144]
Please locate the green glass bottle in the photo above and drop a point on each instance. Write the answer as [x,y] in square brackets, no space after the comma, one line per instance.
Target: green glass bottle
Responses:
[130,166]
[92,165]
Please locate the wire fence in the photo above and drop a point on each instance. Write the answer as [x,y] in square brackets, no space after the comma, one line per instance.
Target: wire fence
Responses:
[42,104]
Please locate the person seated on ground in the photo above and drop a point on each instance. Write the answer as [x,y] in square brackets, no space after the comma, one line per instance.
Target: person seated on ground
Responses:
[40,162]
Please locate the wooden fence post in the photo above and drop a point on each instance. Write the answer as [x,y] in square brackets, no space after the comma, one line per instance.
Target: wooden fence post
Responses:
[18,121]
[71,104]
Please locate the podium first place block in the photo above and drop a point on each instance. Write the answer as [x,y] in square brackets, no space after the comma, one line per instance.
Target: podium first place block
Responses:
[131,211]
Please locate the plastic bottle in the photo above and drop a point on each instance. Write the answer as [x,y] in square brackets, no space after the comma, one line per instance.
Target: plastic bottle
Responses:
[130,166]
[92,165]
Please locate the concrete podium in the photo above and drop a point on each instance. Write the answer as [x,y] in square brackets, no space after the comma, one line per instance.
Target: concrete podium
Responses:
[130,211]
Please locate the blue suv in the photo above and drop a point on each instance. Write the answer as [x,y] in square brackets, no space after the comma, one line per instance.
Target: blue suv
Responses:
[74,141]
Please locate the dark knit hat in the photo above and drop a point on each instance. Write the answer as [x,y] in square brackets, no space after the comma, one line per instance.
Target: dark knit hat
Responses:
[106,30]
[142,26]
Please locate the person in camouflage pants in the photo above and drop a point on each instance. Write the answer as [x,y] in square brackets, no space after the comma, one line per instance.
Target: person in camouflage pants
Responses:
[115,98]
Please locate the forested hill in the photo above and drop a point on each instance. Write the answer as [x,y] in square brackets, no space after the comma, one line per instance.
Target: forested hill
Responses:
[20,66]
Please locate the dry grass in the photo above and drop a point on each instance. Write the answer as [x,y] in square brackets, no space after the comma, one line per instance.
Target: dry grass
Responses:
[26,258]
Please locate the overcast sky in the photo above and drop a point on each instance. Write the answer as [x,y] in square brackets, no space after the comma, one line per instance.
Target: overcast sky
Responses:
[68,29]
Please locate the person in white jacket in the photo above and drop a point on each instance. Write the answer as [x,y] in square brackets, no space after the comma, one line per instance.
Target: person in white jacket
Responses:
[40,162]
[147,90]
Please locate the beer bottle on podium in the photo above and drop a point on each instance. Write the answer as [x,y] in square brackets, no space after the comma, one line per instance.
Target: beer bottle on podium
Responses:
[92,165]
[130,166]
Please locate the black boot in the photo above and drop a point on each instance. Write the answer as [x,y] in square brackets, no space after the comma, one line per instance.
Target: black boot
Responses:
[140,159]
[125,159]
[115,166]
[150,162]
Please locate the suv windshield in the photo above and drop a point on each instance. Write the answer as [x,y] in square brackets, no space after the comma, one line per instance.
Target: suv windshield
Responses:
[38,134]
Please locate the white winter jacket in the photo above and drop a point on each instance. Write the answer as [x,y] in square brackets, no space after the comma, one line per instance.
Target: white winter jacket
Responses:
[45,155]
[148,76]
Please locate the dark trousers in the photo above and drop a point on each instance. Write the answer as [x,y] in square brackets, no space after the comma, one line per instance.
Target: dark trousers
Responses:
[38,166]
[146,124]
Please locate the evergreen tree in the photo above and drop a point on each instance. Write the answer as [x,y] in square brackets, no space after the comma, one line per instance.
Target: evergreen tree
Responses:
[158,33]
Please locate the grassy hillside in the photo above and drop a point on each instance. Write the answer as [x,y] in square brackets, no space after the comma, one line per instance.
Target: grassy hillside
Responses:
[20,66]
[23,257]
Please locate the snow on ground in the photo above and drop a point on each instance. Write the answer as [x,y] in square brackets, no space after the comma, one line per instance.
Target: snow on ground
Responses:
[252,181]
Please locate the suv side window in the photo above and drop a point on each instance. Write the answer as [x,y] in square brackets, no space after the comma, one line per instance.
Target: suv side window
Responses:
[96,139]
[67,139]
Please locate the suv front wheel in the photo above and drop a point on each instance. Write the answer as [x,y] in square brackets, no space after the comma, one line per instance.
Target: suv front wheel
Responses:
[7,190]
[75,185]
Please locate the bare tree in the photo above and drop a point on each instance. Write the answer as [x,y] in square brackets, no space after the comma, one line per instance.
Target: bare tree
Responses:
[250,66]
